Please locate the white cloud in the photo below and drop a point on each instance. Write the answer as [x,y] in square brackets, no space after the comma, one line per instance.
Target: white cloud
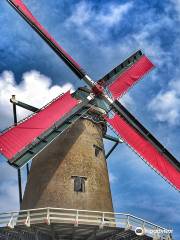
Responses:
[113,14]
[93,23]
[176,4]
[112,178]
[8,188]
[127,100]
[166,105]
[146,38]
[34,89]
[81,14]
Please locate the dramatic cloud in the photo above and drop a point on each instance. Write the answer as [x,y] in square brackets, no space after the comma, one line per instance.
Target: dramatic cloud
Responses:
[166,105]
[146,38]
[94,23]
[176,4]
[112,178]
[112,14]
[34,89]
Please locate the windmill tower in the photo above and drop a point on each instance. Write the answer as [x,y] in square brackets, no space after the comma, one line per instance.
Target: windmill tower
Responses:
[72,171]
[65,141]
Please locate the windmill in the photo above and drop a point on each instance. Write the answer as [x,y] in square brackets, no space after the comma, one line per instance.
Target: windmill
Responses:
[65,138]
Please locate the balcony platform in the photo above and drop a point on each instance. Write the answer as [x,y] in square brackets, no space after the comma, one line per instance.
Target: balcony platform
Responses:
[64,224]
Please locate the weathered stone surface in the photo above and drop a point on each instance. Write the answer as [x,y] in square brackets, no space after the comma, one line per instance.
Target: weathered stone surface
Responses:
[50,183]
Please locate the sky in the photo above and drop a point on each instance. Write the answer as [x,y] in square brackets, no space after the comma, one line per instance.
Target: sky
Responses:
[99,35]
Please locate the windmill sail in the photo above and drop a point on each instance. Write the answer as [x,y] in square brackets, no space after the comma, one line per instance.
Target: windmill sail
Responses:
[146,146]
[17,140]
[118,81]
[126,74]
[21,8]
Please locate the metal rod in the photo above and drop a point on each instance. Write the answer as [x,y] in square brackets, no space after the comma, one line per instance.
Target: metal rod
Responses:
[113,139]
[20,186]
[19,171]
[23,105]
[111,150]
[15,114]
[27,169]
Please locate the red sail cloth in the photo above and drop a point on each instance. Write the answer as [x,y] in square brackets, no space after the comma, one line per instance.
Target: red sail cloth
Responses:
[129,77]
[25,10]
[145,149]
[18,137]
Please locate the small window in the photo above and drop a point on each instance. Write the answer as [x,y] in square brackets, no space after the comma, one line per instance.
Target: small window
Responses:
[79,183]
[97,150]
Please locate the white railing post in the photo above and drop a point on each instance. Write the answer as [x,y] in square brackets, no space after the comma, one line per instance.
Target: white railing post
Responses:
[48,220]
[11,222]
[128,225]
[27,221]
[76,219]
[143,228]
[102,221]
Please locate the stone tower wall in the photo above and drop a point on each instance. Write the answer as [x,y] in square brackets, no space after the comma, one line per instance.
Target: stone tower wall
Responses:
[51,181]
